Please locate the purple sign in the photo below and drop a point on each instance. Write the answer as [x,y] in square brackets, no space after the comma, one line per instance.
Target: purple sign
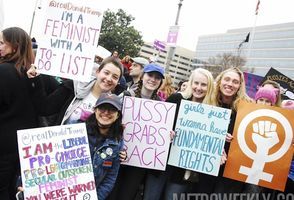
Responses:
[159,45]
[173,35]
[252,81]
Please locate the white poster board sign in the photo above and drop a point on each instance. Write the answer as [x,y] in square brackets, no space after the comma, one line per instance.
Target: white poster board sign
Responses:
[147,131]
[200,137]
[69,36]
[56,163]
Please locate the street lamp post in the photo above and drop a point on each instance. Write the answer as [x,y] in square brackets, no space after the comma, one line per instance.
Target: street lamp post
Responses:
[173,48]
[33,17]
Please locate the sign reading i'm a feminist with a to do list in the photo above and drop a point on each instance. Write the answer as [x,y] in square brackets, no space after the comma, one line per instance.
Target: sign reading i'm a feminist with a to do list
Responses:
[56,163]
[68,38]
[200,137]
[147,131]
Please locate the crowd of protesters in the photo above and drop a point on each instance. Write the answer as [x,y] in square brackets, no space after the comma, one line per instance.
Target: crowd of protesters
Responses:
[24,99]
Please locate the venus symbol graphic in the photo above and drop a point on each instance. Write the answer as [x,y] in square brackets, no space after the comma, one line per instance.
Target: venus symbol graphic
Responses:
[265,137]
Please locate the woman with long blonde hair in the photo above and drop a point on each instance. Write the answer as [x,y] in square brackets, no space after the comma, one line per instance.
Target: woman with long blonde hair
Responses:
[230,88]
[229,91]
[199,89]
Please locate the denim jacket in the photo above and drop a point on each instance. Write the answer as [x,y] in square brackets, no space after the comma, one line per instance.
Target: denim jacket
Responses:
[105,160]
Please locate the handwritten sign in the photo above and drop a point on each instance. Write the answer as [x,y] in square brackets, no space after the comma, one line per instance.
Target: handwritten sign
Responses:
[70,34]
[201,130]
[261,152]
[286,83]
[56,163]
[147,131]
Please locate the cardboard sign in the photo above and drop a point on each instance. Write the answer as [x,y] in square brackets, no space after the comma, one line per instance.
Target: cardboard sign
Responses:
[70,33]
[201,131]
[261,151]
[147,131]
[286,84]
[56,163]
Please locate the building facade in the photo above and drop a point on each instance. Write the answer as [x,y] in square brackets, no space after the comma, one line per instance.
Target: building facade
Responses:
[268,46]
[181,64]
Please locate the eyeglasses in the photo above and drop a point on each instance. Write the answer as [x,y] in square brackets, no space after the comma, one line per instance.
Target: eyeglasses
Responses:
[107,107]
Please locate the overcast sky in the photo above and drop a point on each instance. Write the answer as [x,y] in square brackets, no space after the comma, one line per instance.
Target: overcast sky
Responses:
[154,17]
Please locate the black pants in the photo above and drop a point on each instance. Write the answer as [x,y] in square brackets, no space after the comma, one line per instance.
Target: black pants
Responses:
[127,183]
[9,170]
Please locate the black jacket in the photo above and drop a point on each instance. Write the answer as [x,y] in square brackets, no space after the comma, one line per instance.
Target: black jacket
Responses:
[18,97]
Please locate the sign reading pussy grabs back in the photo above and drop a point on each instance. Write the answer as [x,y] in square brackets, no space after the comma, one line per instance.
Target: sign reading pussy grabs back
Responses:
[147,131]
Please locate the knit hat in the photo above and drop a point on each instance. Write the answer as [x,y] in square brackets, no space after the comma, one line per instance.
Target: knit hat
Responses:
[288,104]
[270,94]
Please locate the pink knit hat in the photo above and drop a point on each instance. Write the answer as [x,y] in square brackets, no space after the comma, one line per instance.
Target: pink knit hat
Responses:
[288,104]
[270,94]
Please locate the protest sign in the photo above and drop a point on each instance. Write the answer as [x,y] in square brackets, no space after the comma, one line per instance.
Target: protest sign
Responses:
[261,151]
[201,130]
[252,81]
[56,163]
[286,84]
[68,39]
[147,131]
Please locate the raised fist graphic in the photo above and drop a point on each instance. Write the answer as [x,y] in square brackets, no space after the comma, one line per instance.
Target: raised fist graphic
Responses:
[264,135]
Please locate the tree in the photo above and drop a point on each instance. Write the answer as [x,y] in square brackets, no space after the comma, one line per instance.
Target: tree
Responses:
[224,61]
[117,33]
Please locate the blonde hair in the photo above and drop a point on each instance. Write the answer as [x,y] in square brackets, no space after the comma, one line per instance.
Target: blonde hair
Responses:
[208,99]
[241,93]
[277,86]
[166,86]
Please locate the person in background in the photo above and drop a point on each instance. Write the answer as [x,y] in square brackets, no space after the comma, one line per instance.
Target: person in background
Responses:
[289,104]
[166,89]
[229,90]
[115,54]
[182,86]
[130,178]
[18,103]
[274,85]
[104,128]
[136,70]
[266,96]
[127,63]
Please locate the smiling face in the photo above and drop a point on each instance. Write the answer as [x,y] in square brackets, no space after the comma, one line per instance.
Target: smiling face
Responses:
[106,114]
[108,77]
[151,80]
[230,84]
[5,47]
[199,87]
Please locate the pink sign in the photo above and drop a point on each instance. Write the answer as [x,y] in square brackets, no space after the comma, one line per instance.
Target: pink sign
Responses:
[173,35]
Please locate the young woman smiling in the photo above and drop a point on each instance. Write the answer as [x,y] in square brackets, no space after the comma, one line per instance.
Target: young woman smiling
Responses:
[130,178]
[229,90]
[199,89]
[105,130]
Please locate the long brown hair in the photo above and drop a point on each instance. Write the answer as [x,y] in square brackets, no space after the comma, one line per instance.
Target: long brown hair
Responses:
[21,44]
